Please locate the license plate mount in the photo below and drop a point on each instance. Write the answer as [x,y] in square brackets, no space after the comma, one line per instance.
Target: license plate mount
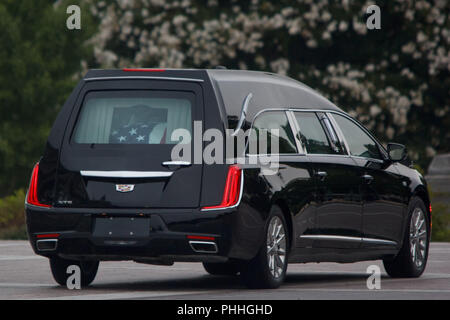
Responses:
[121,227]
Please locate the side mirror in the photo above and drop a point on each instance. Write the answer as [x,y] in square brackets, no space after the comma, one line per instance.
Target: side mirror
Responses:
[397,152]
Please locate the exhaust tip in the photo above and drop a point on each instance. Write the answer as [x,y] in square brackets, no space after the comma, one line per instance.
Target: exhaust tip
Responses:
[203,246]
[47,244]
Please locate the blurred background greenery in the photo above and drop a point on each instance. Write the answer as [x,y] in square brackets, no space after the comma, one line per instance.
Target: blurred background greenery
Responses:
[395,80]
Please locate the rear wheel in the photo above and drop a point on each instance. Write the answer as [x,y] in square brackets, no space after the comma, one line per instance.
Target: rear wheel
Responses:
[412,258]
[88,270]
[268,268]
[222,269]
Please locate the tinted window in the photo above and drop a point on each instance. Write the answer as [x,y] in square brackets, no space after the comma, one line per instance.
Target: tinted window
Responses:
[312,134]
[133,117]
[359,142]
[267,121]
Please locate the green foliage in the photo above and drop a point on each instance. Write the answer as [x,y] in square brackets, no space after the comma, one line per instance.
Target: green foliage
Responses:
[396,80]
[441,222]
[419,169]
[14,233]
[12,216]
[12,209]
[440,216]
[39,59]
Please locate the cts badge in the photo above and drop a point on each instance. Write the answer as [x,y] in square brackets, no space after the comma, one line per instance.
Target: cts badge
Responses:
[124,187]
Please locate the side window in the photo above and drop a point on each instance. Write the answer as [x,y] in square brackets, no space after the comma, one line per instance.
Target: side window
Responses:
[359,142]
[313,135]
[269,120]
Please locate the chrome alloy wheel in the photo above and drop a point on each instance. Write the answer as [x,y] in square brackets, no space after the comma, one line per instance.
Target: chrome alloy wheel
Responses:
[276,247]
[418,237]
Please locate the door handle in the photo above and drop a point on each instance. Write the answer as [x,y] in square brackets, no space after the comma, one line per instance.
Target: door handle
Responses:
[176,163]
[321,174]
[367,178]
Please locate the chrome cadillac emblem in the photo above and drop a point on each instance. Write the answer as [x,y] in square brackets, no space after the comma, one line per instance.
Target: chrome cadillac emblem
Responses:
[124,187]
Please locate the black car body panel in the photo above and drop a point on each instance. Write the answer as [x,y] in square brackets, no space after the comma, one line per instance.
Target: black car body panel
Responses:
[338,217]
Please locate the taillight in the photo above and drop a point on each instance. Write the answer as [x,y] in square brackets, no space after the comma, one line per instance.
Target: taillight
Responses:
[47,235]
[200,238]
[32,197]
[232,190]
[431,218]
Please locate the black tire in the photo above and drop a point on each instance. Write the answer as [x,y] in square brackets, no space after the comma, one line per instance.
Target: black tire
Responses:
[59,267]
[222,269]
[257,273]
[404,265]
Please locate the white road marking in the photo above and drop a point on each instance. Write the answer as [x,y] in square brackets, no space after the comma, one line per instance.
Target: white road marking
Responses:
[425,275]
[122,295]
[439,251]
[24,285]
[11,244]
[371,291]
[160,294]
[13,258]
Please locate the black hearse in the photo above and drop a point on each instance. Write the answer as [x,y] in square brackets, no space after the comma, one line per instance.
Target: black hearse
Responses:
[107,187]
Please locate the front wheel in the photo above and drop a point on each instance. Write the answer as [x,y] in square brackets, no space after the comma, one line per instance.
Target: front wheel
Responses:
[88,270]
[413,256]
[268,268]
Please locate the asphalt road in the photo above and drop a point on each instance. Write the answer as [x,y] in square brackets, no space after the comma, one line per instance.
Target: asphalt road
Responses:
[24,275]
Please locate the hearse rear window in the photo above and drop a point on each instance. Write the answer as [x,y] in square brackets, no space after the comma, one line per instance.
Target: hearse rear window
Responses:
[133,117]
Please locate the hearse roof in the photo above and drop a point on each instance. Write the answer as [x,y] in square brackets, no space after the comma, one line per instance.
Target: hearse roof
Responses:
[269,90]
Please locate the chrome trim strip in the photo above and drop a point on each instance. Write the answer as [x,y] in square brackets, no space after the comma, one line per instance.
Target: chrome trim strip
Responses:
[338,132]
[330,129]
[274,154]
[330,237]
[380,146]
[176,163]
[243,113]
[35,207]
[295,130]
[239,200]
[378,241]
[47,240]
[346,238]
[326,111]
[333,135]
[143,78]
[204,242]
[329,155]
[268,110]
[342,114]
[286,113]
[367,158]
[126,174]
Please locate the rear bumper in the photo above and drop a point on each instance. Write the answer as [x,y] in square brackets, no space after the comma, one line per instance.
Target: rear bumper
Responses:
[173,235]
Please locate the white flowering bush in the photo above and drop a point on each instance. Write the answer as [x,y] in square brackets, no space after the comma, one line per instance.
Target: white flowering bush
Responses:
[395,80]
